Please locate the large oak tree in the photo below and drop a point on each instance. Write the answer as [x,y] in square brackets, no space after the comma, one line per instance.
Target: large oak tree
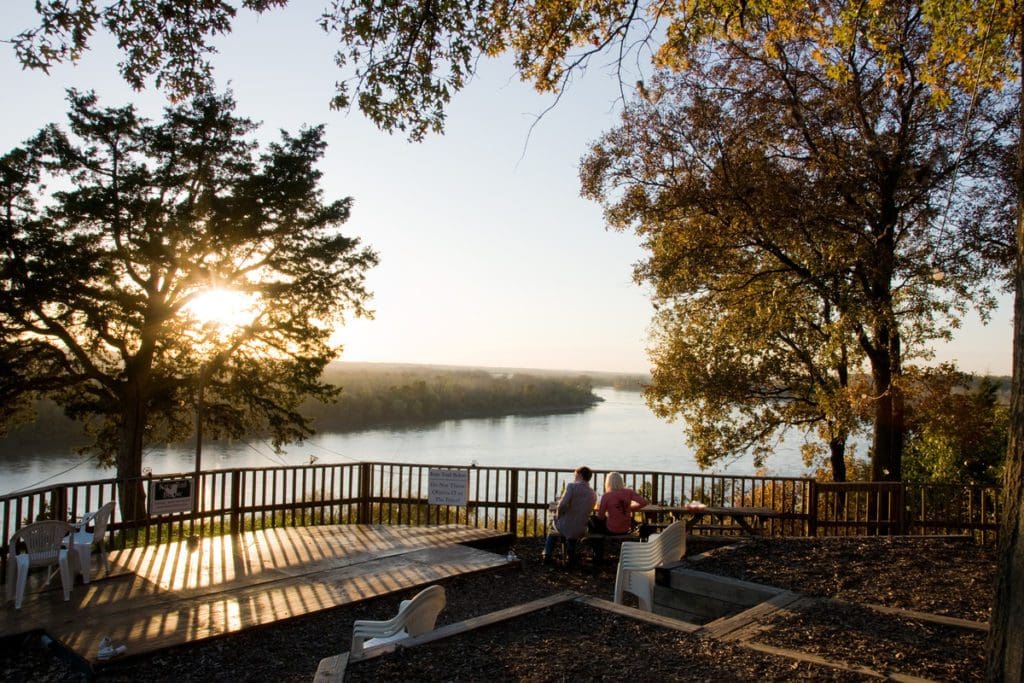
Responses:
[113,231]
[769,299]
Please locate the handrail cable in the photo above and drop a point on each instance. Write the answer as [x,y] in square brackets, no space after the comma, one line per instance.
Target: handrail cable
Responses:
[58,474]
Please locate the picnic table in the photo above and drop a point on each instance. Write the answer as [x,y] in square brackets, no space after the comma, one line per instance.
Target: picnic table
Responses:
[749,519]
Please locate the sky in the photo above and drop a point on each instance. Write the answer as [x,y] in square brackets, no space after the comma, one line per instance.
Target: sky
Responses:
[489,256]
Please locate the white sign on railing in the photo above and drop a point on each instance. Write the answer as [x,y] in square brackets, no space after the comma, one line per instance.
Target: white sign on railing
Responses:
[170,495]
[447,487]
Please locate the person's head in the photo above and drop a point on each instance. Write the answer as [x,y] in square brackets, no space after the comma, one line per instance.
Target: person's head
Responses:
[583,473]
[613,482]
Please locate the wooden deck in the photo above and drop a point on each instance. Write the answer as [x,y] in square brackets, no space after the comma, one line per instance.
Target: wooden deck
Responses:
[166,595]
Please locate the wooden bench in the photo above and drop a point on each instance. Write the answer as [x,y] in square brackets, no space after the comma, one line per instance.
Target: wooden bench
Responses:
[588,542]
[631,536]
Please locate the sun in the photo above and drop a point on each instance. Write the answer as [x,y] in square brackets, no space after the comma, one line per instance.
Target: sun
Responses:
[224,307]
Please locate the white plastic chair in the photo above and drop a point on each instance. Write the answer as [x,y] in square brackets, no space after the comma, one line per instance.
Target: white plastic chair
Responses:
[415,617]
[39,544]
[637,562]
[81,540]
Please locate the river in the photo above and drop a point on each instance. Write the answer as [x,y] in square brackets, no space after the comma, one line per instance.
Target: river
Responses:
[620,432]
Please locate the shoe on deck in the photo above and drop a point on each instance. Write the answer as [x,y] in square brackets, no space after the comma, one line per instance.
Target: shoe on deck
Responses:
[107,649]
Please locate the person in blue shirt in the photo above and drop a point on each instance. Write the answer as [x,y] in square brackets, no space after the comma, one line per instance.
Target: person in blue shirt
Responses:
[572,516]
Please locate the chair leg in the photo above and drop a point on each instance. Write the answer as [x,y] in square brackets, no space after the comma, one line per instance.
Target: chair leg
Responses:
[641,584]
[644,600]
[83,557]
[67,579]
[19,589]
[103,557]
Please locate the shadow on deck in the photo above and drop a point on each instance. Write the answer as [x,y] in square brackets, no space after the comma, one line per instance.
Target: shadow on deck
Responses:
[160,596]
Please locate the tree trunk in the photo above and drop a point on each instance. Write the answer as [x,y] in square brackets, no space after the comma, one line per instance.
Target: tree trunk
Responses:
[883,349]
[1005,644]
[131,491]
[837,448]
[887,444]
[837,457]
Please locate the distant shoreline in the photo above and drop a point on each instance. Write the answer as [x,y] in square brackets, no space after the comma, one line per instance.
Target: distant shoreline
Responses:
[383,396]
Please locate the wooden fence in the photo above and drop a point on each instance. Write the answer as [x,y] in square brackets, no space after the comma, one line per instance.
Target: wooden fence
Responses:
[505,498]
[858,508]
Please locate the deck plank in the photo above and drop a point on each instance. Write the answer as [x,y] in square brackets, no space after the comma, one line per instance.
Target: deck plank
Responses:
[161,596]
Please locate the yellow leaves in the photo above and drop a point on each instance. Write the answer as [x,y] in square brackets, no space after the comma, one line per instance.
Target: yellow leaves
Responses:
[972,44]
[839,73]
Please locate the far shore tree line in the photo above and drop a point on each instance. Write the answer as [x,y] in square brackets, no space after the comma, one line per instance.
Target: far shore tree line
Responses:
[821,189]
[957,424]
[372,397]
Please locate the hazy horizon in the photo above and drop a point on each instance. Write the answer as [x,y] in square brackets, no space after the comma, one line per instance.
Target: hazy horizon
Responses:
[523,369]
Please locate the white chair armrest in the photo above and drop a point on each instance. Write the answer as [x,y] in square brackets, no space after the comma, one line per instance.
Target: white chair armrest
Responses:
[378,628]
[84,520]
[414,617]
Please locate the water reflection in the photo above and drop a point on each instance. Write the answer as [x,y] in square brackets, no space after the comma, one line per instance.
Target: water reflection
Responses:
[618,433]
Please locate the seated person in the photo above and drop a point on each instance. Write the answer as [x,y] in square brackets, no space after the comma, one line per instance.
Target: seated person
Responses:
[615,513]
[572,515]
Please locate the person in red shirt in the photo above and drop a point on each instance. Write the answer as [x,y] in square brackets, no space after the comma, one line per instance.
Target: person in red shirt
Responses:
[615,512]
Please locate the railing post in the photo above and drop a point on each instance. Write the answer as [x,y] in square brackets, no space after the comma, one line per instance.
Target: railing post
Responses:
[7,528]
[900,511]
[512,523]
[59,503]
[812,508]
[236,502]
[365,482]
[148,533]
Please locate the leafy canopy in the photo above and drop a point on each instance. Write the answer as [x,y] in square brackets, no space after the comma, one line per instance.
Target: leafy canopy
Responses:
[403,61]
[800,226]
[958,428]
[113,230]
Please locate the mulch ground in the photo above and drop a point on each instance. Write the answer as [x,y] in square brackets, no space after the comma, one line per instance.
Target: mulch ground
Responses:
[948,576]
[575,642]
[953,578]
[883,642]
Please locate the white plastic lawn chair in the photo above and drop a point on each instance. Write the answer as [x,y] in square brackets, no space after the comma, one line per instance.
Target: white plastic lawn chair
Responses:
[39,544]
[637,562]
[415,617]
[81,540]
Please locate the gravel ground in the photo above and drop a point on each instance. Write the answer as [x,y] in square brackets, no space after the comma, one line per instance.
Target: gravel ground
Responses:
[953,578]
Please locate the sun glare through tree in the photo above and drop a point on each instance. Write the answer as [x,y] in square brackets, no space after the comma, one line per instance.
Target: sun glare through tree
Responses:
[223,308]
[104,311]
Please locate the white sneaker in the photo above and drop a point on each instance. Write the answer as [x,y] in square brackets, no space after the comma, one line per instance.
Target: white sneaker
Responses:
[107,650]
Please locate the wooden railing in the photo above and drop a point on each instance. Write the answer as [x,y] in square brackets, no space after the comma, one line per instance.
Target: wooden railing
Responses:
[858,508]
[504,498]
